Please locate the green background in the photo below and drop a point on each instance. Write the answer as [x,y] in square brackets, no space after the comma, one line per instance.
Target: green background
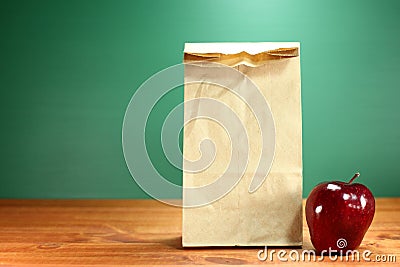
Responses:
[69,69]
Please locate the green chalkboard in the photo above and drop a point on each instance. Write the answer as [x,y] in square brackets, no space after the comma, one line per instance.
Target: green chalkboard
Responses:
[69,69]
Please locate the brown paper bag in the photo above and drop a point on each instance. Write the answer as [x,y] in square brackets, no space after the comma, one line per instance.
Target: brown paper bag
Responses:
[255,148]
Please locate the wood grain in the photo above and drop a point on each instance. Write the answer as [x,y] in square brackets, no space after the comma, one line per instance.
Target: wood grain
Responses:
[142,232]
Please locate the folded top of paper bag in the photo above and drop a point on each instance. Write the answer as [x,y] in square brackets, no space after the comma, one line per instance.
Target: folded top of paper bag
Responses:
[233,54]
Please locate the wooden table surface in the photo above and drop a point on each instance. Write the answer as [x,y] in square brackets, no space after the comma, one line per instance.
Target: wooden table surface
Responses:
[144,232]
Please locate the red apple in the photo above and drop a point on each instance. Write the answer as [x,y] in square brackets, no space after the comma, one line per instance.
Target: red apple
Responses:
[339,214]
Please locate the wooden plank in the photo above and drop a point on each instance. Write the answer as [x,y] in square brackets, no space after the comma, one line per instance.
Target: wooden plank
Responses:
[143,232]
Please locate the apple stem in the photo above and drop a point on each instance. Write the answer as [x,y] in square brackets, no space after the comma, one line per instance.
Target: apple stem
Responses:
[354,177]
